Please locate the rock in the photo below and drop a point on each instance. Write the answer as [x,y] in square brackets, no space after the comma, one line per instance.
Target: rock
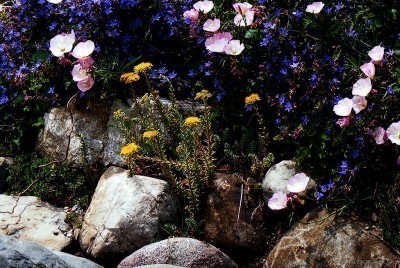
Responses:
[87,138]
[186,252]
[29,219]
[221,226]
[323,240]
[278,175]
[16,253]
[158,266]
[4,163]
[125,213]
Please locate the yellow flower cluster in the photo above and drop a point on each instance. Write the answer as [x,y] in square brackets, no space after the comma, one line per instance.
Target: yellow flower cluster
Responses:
[143,67]
[191,121]
[150,134]
[128,78]
[119,114]
[251,99]
[203,95]
[130,149]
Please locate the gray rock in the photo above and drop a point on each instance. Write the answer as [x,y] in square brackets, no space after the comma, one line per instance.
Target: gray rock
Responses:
[323,240]
[158,266]
[30,219]
[125,213]
[18,254]
[186,252]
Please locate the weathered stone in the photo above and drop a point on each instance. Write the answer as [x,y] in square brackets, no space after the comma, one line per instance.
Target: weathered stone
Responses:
[125,213]
[15,253]
[323,240]
[29,219]
[159,266]
[221,212]
[87,138]
[186,252]
[278,175]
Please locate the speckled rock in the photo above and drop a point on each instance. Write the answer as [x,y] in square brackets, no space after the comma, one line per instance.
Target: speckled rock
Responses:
[125,214]
[186,252]
[30,219]
[323,240]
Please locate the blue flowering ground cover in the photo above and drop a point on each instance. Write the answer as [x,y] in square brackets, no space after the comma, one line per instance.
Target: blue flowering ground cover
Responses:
[326,78]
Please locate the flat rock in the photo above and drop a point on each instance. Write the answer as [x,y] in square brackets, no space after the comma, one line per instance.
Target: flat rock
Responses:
[125,214]
[186,252]
[15,253]
[323,240]
[30,219]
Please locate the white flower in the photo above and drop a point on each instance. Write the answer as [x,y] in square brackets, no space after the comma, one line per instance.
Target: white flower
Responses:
[315,7]
[362,87]
[218,41]
[278,201]
[204,6]
[78,73]
[343,107]
[62,43]
[247,20]
[379,135]
[212,25]
[368,69]
[234,47]
[242,7]
[297,183]
[393,133]
[54,1]
[83,49]
[359,103]
[86,84]
[376,54]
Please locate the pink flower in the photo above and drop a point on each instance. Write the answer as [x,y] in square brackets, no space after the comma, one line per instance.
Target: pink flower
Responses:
[343,122]
[86,84]
[86,62]
[212,25]
[362,87]
[204,6]
[242,7]
[368,69]
[78,73]
[83,49]
[192,14]
[359,103]
[234,47]
[376,54]
[343,107]
[297,183]
[247,20]
[62,43]
[278,201]
[393,133]
[315,7]
[218,41]
[379,135]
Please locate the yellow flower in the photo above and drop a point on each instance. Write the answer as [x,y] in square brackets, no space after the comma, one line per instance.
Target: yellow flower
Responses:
[143,67]
[251,99]
[128,78]
[119,114]
[130,149]
[150,134]
[203,95]
[191,121]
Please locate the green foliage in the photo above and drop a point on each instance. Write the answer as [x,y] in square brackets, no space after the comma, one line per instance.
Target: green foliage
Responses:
[58,184]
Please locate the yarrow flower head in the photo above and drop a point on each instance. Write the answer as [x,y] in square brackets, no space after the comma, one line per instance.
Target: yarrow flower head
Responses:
[362,87]
[298,183]
[393,133]
[344,107]
[83,49]
[150,134]
[278,201]
[203,95]
[315,7]
[191,121]
[130,77]
[376,54]
[143,67]
[62,43]
[251,99]
[130,149]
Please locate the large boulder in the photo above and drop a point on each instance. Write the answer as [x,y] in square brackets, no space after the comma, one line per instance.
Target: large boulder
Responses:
[15,253]
[324,240]
[125,213]
[29,219]
[186,252]
[222,226]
